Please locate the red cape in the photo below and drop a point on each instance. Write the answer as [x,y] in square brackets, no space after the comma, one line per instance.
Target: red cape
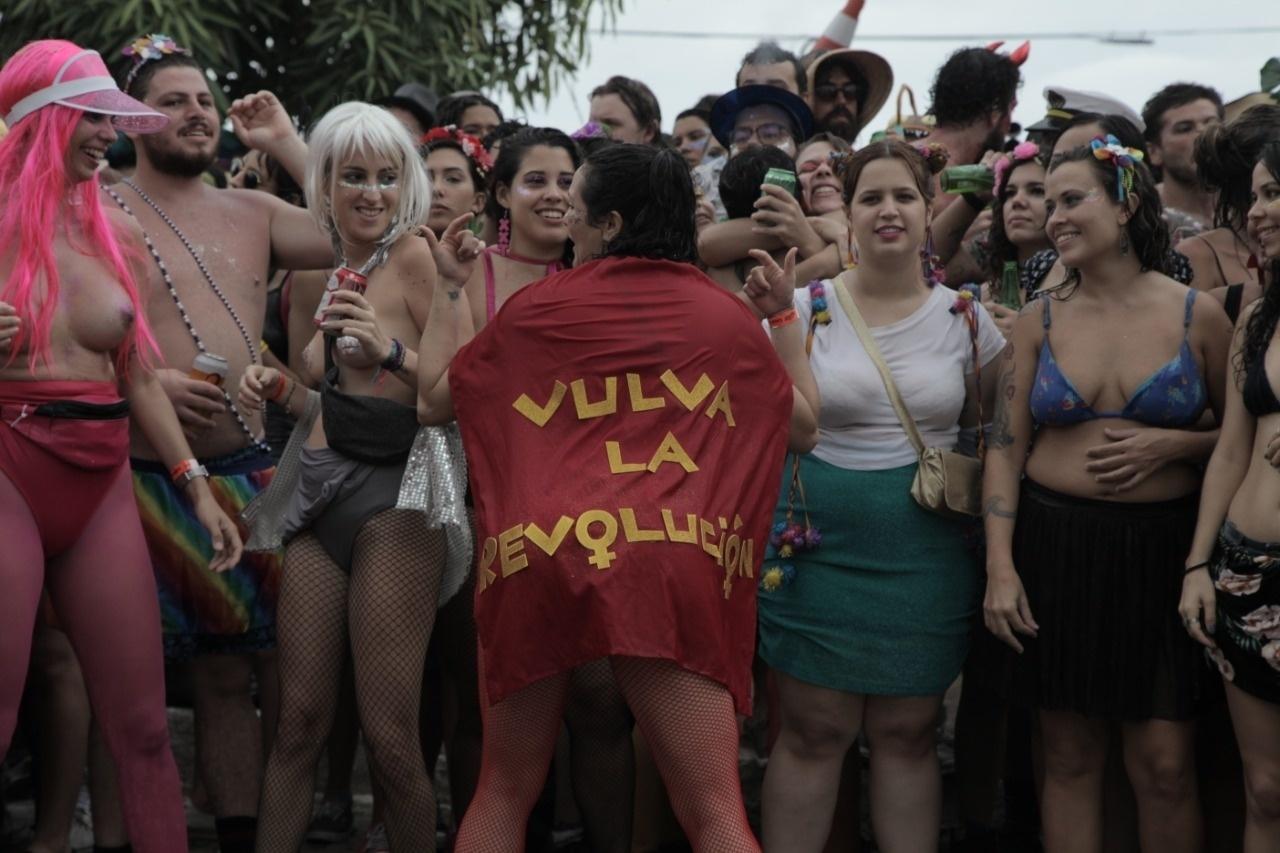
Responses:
[625,424]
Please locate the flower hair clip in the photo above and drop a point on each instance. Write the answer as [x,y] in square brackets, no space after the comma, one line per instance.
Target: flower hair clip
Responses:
[149,48]
[590,130]
[934,154]
[472,147]
[1022,153]
[1122,158]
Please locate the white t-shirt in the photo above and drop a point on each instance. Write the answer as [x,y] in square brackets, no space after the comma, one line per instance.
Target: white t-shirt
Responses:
[929,354]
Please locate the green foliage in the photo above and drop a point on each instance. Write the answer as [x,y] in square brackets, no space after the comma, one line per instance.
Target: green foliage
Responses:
[317,53]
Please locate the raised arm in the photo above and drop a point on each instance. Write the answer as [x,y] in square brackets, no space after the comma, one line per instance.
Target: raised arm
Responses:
[1005,608]
[772,290]
[261,122]
[449,323]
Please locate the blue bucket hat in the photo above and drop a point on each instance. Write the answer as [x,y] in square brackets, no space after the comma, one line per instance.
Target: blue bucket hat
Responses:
[724,112]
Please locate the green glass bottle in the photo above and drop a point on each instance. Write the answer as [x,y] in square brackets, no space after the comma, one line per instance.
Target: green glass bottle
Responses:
[959,180]
[1010,287]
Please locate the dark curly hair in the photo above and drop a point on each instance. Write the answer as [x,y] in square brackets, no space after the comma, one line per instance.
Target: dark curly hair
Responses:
[922,167]
[1261,325]
[1226,155]
[1147,232]
[972,84]
[652,191]
[1170,98]
[744,173]
[451,107]
[1002,249]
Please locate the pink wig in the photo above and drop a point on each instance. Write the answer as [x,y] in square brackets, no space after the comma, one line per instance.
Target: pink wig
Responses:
[38,203]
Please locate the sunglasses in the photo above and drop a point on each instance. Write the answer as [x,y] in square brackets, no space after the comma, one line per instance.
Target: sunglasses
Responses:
[251,180]
[828,92]
[833,160]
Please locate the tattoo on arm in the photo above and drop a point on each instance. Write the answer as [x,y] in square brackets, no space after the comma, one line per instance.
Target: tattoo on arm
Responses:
[1006,389]
[994,506]
[452,294]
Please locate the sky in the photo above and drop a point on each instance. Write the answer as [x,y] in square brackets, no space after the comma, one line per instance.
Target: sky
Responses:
[681,70]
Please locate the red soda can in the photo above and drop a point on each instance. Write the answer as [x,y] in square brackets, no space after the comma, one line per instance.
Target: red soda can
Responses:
[343,278]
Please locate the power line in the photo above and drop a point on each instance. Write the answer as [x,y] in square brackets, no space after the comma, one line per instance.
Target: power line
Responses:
[1115,36]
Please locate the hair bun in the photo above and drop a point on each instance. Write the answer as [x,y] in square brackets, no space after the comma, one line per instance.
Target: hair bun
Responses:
[935,155]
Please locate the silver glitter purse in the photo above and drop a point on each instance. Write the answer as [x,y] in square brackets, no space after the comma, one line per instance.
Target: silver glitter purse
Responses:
[435,484]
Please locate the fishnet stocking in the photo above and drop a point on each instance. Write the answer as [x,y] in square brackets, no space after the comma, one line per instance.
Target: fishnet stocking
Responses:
[311,628]
[689,724]
[603,761]
[395,585]
[519,739]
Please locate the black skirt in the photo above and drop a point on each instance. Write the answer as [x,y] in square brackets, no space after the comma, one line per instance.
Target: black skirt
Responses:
[1248,630]
[1103,579]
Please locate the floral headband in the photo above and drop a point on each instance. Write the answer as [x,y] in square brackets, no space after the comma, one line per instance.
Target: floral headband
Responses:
[472,147]
[149,48]
[1124,159]
[1022,153]
[934,154]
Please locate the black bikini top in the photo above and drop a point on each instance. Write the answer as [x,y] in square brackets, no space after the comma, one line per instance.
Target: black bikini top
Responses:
[1259,397]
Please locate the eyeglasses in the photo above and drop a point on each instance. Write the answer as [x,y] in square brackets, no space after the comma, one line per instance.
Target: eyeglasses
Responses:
[828,92]
[380,187]
[768,134]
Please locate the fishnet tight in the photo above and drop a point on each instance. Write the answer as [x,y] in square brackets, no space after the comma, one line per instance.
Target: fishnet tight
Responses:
[388,604]
[602,757]
[688,721]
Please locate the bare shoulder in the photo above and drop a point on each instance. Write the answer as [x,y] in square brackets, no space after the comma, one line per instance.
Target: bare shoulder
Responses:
[411,260]
[1196,248]
[126,227]
[246,202]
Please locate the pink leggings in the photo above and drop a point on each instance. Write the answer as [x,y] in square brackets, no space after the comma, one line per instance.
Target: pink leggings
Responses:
[104,593]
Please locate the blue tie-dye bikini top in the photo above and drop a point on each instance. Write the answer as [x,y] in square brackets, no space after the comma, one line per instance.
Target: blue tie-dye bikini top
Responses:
[1173,396]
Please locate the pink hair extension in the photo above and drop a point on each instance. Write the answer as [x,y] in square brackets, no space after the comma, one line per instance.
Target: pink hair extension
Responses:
[38,201]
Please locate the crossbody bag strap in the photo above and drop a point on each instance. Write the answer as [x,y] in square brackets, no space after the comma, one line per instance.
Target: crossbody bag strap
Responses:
[869,344]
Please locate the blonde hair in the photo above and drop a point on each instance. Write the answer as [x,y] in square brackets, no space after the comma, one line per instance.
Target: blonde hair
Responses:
[354,127]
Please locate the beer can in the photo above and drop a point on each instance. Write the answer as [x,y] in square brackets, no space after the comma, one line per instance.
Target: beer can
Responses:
[343,278]
[208,367]
[784,178]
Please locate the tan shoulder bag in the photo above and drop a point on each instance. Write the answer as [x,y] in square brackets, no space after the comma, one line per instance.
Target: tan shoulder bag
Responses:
[946,482]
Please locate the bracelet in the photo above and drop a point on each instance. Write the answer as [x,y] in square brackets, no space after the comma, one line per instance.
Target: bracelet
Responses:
[783,318]
[974,202]
[280,392]
[395,359]
[1189,569]
[186,471]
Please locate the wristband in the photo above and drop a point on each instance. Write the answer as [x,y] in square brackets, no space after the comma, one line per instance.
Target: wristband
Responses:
[281,393]
[1197,567]
[395,359]
[974,202]
[186,471]
[783,318]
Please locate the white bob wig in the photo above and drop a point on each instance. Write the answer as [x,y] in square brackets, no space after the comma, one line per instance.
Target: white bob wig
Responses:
[359,127]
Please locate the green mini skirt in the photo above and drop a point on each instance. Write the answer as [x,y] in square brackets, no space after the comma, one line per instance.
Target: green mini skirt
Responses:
[884,606]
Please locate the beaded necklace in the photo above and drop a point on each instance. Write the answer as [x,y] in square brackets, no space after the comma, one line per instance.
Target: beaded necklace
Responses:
[173,293]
